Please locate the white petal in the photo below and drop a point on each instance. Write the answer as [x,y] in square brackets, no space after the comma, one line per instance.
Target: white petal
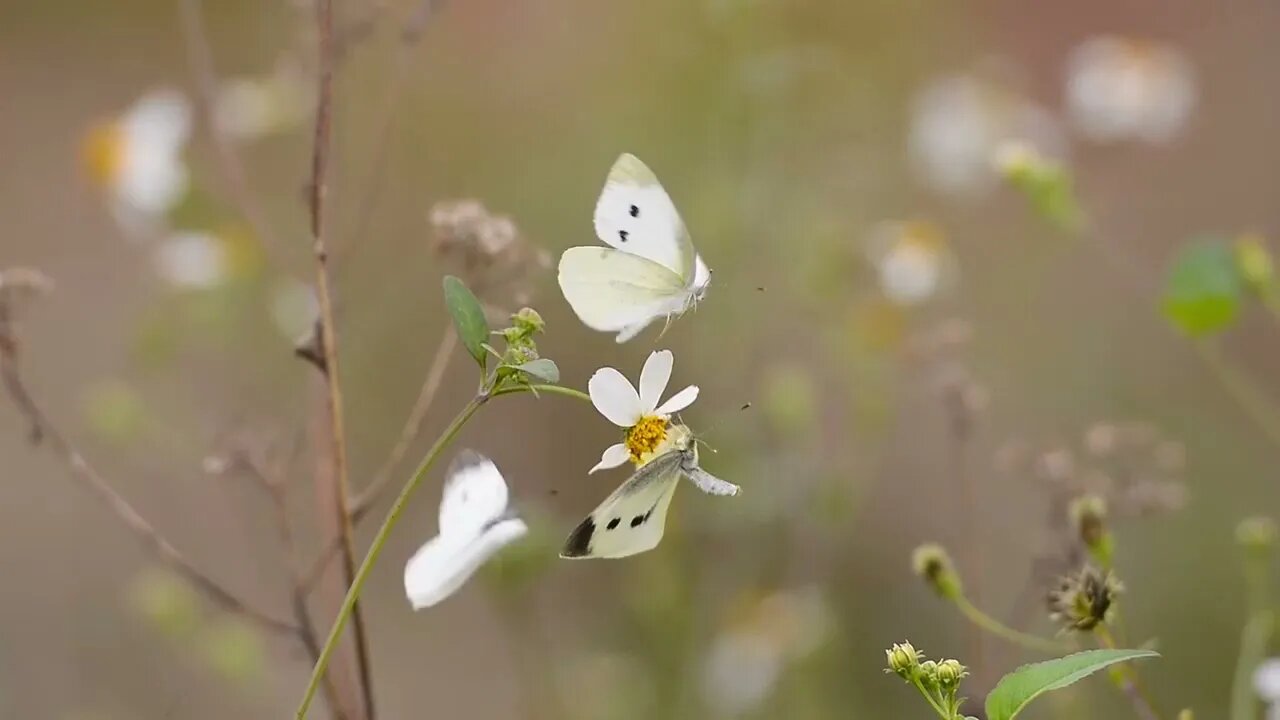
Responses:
[654,378]
[614,397]
[613,456]
[1266,680]
[679,401]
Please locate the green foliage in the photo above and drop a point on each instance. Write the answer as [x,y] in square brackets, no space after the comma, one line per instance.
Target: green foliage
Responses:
[1020,687]
[468,318]
[1204,289]
[1045,184]
[542,370]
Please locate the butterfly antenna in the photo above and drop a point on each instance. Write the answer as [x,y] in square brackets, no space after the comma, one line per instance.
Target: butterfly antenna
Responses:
[698,438]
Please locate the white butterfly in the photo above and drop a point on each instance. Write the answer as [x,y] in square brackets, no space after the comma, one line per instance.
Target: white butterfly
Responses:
[475,523]
[632,519]
[650,270]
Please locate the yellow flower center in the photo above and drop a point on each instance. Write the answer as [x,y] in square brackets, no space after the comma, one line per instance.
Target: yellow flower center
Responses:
[645,437]
[104,153]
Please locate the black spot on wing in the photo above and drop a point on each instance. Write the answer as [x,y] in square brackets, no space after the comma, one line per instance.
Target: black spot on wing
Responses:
[579,542]
[635,211]
[622,235]
[639,520]
[613,524]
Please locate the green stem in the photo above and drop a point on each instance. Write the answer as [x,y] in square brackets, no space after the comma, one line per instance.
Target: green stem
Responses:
[934,703]
[1241,388]
[999,629]
[379,540]
[1126,678]
[393,516]
[535,389]
[1254,639]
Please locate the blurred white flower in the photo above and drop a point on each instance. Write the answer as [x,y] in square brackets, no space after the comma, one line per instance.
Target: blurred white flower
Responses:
[137,157]
[1266,682]
[911,259]
[646,421]
[252,107]
[747,659]
[192,260]
[958,122]
[1125,89]
[294,309]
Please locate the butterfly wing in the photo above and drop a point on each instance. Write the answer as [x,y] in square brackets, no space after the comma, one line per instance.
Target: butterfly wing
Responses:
[634,214]
[611,290]
[475,523]
[475,495]
[445,562]
[633,518]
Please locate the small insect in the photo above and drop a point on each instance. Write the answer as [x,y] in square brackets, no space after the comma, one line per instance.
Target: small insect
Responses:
[475,523]
[650,269]
[633,518]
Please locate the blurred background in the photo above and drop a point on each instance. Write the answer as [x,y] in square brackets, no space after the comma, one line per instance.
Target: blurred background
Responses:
[971,261]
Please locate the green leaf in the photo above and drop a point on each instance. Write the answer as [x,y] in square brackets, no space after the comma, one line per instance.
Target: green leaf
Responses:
[1028,682]
[541,369]
[468,317]
[1204,290]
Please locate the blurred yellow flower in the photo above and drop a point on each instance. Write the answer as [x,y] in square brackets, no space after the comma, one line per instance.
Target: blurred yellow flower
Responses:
[192,260]
[748,658]
[1128,89]
[912,260]
[137,157]
[958,122]
[253,107]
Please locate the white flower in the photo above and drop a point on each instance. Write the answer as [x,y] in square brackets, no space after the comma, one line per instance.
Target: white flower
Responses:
[1124,89]
[911,259]
[248,108]
[741,672]
[747,659]
[294,309]
[958,122]
[138,156]
[192,260]
[645,420]
[1266,682]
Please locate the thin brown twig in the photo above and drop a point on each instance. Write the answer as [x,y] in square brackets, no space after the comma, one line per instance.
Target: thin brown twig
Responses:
[230,165]
[328,334]
[410,34]
[412,426]
[44,431]
[377,487]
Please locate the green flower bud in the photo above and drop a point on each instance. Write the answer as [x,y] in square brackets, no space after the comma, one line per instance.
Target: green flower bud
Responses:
[932,563]
[1089,517]
[950,673]
[929,673]
[1257,535]
[903,659]
[1254,262]
[528,320]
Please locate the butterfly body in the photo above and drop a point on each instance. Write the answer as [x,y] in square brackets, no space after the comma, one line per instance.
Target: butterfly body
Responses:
[633,518]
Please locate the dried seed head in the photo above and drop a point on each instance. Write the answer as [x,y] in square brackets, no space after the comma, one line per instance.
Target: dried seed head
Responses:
[489,250]
[1089,517]
[933,565]
[1082,600]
